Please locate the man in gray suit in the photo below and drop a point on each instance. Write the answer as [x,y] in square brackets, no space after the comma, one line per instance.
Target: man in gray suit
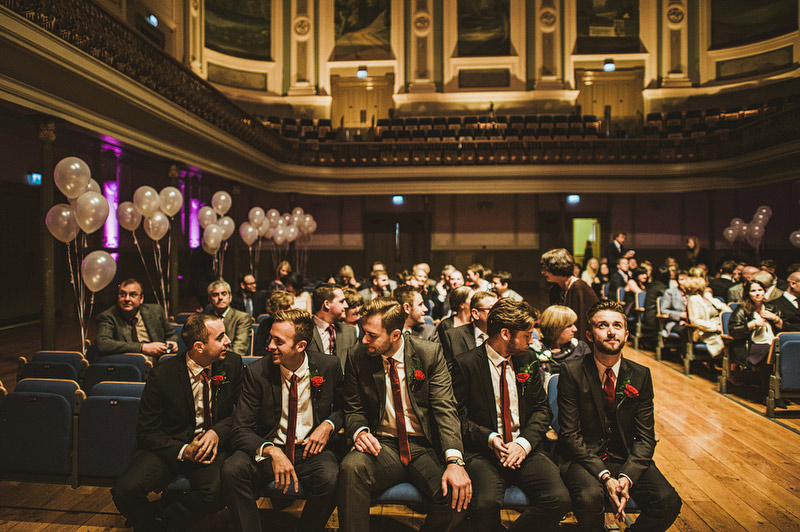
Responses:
[238,324]
[414,307]
[331,335]
[403,419]
[133,327]
[379,281]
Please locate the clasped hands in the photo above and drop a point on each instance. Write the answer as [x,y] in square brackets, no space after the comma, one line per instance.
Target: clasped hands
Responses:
[618,490]
[282,467]
[203,448]
[510,454]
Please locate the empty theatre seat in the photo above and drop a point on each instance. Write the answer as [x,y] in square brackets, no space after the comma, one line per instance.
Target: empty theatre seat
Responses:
[53,364]
[102,371]
[106,435]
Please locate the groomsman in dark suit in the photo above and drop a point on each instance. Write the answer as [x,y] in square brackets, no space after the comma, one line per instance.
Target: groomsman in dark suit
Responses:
[414,307]
[607,437]
[504,417]
[331,336]
[290,409]
[249,300]
[401,414]
[789,305]
[467,337]
[131,326]
[185,419]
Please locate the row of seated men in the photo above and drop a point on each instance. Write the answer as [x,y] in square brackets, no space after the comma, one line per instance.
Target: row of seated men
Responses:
[459,429]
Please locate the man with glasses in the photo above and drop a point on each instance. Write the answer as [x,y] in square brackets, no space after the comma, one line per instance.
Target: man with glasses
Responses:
[131,326]
[249,299]
[467,337]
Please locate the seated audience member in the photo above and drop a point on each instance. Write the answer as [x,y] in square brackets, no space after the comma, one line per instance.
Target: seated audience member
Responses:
[753,326]
[674,306]
[283,270]
[331,336]
[352,316]
[619,278]
[607,437]
[278,300]
[591,276]
[185,419]
[735,291]
[500,286]
[132,326]
[568,290]
[636,284]
[559,341]
[769,266]
[656,289]
[415,309]
[475,278]
[503,424]
[697,255]
[768,280]
[704,313]
[616,249]
[720,285]
[459,339]
[290,409]
[604,275]
[378,286]
[455,279]
[439,292]
[459,300]
[295,286]
[788,304]
[238,325]
[347,277]
[249,299]
[379,266]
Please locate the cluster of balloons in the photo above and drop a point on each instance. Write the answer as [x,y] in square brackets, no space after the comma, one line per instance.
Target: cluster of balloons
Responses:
[752,232]
[154,207]
[87,210]
[217,227]
[280,228]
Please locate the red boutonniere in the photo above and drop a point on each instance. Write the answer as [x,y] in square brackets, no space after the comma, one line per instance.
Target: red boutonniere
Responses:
[625,390]
[630,391]
[417,375]
[216,380]
[524,374]
[316,381]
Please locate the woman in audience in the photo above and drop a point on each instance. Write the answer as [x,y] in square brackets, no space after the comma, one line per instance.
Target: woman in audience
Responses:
[294,284]
[704,315]
[347,277]
[695,254]
[638,281]
[352,316]
[459,300]
[603,274]
[278,300]
[283,269]
[558,343]
[657,288]
[753,326]
[590,275]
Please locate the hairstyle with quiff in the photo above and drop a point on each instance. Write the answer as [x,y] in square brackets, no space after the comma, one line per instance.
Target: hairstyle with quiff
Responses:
[216,284]
[479,297]
[477,269]
[607,304]
[195,330]
[353,298]
[405,294]
[459,296]
[279,300]
[558,262]
[555,319]
[322,293]
[393,317]
[511,315]
[303,323]
[505,277]
[695,285]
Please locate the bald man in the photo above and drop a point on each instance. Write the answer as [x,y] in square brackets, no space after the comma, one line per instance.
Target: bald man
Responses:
[735,291]
[788,304]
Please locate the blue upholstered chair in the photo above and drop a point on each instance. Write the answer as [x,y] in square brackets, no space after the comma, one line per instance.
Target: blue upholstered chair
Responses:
[106,435]
[69,365]
[785,380]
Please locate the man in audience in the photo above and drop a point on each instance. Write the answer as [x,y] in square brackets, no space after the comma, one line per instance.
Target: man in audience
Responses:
[788,304]
[415,309]
[674,305]
[331,336]
[500,286]
[403,419]
[616,249]
[607,437]
[467,337]
[768,280]
[238,324]
[249,299]
[378,266]
[558,267]
[720,285]
[185,419]
[769,266]
[504,438]
[278,300]
[475,278]
[735,291]
[132,326]
[290,409]
[352,316]
[619,278]
[378,283]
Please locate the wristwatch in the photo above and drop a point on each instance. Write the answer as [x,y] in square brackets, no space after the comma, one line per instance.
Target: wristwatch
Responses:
[457,461]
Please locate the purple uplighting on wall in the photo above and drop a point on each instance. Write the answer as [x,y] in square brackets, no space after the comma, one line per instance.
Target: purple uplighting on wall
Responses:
[194,224]
[111,229]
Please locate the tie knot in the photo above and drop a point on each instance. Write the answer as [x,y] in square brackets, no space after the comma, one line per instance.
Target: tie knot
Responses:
[294,378]
[331,328]
[205,373]
[503,365]
[609,373]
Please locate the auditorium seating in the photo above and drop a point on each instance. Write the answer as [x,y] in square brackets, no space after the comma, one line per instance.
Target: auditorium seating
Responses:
[726,358]
[672,340]
[53,364]
[131,367]
[785,379]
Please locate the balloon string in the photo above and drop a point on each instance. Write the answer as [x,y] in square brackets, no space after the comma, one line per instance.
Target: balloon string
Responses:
[82,287]
[161,274]
[167,302]
[250,254]
[144,263]
[157,260]
[222,259]
[73,282]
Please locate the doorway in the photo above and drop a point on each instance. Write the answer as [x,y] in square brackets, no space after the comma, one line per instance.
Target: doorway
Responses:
[359,103]
[399,240]
[585,238]
[621,91]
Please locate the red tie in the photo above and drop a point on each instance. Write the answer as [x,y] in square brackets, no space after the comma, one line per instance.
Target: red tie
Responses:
[291,429]
[505,407]
[608,386]
[399,415]
[206,401]
[332,345]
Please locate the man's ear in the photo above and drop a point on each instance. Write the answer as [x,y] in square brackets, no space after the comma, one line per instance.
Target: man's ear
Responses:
[407,308]
[589,337]
[301,346]
[505,334]
[199,348]
[395,335]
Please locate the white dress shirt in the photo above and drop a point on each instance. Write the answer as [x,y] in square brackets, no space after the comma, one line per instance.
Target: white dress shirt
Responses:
[601,371]
[495,363]
[196,380]
[324,333]
[480,336]
[792,299]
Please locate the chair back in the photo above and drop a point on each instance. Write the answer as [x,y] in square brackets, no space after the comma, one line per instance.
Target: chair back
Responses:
[68,389]
[49,370]
[111,372]
[181,317]
[254,329]
[178,328]
[788,344]
[74,358]
[552,398]
[640,297]
[726,318]
[605,290]
[249,360]
[134,359]
[118,389]
[106,435]
[733,306]
[164,358]
[621,294]
[659,300]
[262,317]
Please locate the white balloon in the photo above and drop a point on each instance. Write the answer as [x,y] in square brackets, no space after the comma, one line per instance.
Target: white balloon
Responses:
[765,210]
[794,238]
[298,211]
[61,223]
[306,221]
[94,187]
[221,202]
[287,218]
[248,233]
[170,200]
[256,216]
[279,236]
[97,270]
[206,216]
[212,236]
[295,219]
[156,226]
[730,234]
[209,250]
[72,175]
[128,217]
[280,223]
[145,199]
[228,226]
[292,233]
[273,214]
[312,227]
[264,227]
[91,211]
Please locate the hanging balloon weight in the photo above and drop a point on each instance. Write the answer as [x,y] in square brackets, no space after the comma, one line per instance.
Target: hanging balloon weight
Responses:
[256,216]
[730,234]
[170,200]
[212,236]
[61,223]
[145,199]
[248,233]
[272,216]
[97,270]
[156,226]
[221,202]
[228,226]
[91,211]
[128,217]
[292,233]
[72,175]
[765,210]
[206,216]
[209,250]
[298,211]
[794,238]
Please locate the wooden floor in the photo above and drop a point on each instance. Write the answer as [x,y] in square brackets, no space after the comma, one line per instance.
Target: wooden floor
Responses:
[735,469]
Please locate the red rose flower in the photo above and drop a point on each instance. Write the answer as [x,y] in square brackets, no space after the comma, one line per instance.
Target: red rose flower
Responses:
[418,375]
[630,391]
[523,377]
[217,379]
[316,381]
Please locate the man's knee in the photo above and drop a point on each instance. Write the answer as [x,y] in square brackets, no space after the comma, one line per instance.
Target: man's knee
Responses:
[588,500]
[557,498]
[672,503]
[356,465]
[235,469]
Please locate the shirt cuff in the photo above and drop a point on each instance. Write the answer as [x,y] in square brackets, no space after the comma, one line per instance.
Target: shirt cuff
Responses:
[329,422]
[452,453]
[180,454]
[358,431]
[491,438]
[259,456]
[629,478]
[525,444]
[603,472]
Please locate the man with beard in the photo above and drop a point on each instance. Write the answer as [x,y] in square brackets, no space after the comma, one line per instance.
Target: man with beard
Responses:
[607,438]
[331,335]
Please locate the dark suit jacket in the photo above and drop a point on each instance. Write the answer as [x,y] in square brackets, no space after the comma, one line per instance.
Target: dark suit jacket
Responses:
[426,331]
[472,382]
[432,400]
[616,280]
[114,333]
[167,414]
[258,413]
[262,337]
[457,340]
[579,297]
[259,303]
[789,313]
[345,339]
[581,414]
[613,254]
[720,286]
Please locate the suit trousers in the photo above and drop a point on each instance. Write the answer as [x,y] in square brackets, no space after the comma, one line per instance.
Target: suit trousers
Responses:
[537,477]
[317,475]
[148,472]
[658,502]
[362,474]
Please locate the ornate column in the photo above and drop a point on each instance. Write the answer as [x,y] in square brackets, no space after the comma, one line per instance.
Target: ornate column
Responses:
[195,36]
[47,136]
[421,41]
[303,46]
[675,46]
[548,45]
